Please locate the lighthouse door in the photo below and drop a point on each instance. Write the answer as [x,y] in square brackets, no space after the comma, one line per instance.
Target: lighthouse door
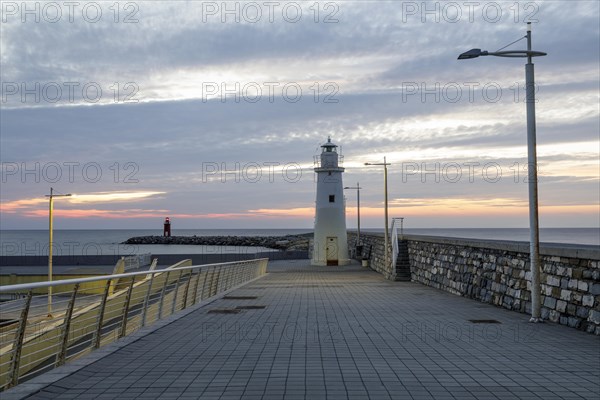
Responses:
[332,251]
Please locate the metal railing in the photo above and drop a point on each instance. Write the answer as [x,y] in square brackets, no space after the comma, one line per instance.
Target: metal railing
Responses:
[318,164]
[394,242]
[88,313]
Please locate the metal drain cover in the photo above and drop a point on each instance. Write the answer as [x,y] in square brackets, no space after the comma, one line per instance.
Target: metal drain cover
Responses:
[484,321]
[250,307]
[240,297]
[224,311]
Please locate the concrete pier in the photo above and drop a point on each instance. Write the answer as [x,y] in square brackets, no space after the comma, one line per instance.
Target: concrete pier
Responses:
[305,332]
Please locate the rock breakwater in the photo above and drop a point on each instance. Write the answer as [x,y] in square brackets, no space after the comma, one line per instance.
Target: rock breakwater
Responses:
[288,242]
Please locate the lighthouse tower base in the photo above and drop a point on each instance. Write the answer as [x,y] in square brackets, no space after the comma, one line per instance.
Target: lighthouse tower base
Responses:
[330,247]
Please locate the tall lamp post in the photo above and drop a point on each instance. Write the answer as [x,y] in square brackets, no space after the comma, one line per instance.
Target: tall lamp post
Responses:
[51,197]
[534,240]
[385,194]
[357,187]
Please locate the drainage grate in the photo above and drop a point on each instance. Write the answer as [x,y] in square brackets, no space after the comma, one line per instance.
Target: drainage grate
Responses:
[224,311]
[301,286]
[484,321]
[240,297]
[250,307]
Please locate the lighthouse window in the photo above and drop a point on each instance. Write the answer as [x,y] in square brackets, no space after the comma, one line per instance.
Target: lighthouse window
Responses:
[332,198]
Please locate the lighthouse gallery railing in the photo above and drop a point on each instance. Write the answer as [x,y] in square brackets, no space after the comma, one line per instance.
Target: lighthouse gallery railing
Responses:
[317,161]
[88,313]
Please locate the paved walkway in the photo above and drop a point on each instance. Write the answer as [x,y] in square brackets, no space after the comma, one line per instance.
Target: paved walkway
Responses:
[333,332]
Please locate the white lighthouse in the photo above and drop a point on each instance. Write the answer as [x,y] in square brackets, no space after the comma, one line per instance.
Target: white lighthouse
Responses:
[330,241]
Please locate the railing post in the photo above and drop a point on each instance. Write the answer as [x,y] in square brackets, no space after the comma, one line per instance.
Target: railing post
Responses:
[227,278]
[174,305]
[18,344]
[217,281]
[64,335]
[123,330]
[236,275]
[202,297]
[162,296]
[223,279]
[195,296]
[210,283]
[147,300]
[187,290]
[100,319]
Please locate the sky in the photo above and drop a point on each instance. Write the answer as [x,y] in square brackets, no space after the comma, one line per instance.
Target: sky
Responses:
[211,113]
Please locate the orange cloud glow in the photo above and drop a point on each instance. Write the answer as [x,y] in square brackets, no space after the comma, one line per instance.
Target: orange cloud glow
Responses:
[422,207]
[15,205]
[300,212]
[129,213]
[38,206]
[468,207]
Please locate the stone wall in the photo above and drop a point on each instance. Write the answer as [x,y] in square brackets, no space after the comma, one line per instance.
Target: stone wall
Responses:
[373,248]
[497,272]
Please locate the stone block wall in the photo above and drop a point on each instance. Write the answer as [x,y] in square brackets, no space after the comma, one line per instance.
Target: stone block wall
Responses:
[497,272]
[373,245]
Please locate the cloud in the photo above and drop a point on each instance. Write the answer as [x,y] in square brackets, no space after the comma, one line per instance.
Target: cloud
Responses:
[114,197]
[393,74]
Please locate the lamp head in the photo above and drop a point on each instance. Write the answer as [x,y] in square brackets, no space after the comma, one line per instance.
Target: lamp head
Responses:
[473,53]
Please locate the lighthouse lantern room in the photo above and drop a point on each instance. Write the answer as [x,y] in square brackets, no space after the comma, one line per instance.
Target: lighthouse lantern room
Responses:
[330,240]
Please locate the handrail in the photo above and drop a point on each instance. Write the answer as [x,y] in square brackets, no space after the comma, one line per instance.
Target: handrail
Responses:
[88,313]
[394,245]
[37,285]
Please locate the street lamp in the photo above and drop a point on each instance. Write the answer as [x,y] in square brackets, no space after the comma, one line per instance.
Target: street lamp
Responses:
[385,194]
[51,197]
[357,187]
[534,239]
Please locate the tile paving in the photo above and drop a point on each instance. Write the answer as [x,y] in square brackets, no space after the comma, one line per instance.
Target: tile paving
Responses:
[344,332]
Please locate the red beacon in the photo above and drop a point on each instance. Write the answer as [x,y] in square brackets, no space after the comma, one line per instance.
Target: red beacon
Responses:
[167,228]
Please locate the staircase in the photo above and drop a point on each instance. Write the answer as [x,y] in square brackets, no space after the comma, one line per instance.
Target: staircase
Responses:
[402,262]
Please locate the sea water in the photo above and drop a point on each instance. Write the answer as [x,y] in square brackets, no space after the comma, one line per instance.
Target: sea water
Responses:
[109,241]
